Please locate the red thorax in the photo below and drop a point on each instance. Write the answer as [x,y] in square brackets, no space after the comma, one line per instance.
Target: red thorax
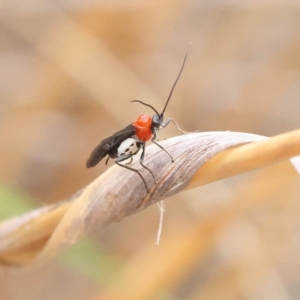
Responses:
[142,126]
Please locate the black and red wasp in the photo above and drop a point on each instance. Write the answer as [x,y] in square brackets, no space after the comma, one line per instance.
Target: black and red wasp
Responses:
[127,142]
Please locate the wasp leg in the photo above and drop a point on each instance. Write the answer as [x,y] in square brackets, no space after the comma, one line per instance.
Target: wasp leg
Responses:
[161,147]
[131,159]
[122,158]
[107,161]
[142,163]
[171,120]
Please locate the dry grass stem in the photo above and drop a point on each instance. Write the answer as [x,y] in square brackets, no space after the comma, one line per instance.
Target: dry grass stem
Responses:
[117,193]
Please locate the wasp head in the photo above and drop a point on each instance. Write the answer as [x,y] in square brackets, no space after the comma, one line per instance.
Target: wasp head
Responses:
[157,121]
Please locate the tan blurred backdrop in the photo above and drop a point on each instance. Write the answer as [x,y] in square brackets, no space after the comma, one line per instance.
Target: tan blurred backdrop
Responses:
[68,70]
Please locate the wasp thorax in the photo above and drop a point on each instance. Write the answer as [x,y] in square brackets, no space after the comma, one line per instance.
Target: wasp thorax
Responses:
[143,121]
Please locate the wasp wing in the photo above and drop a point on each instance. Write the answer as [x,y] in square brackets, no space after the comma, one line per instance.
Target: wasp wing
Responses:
[107,145]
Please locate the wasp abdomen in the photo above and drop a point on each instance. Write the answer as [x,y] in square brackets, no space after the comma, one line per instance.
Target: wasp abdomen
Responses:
[129,146]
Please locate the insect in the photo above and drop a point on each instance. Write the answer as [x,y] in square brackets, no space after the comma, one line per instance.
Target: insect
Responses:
[127,142]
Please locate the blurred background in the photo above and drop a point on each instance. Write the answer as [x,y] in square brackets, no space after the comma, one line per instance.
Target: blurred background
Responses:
[68,70]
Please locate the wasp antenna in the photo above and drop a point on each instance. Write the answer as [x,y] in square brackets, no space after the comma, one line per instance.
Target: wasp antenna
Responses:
[139,101]
[173,87]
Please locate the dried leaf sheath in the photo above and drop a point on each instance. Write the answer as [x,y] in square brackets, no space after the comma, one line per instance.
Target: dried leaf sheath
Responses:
[118,193]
